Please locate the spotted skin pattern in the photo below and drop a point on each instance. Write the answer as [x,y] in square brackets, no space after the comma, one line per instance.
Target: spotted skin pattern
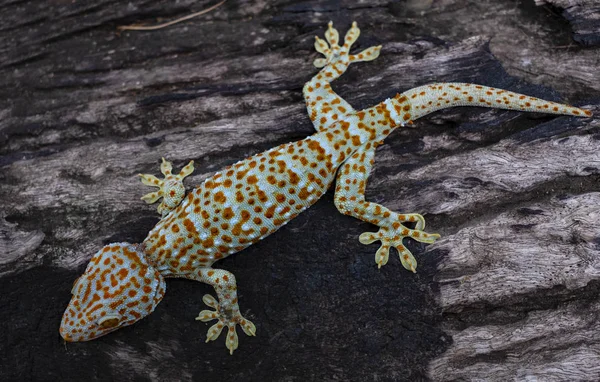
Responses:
[253,198]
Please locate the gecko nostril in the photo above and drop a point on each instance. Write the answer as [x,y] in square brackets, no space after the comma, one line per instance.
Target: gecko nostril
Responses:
[66,336]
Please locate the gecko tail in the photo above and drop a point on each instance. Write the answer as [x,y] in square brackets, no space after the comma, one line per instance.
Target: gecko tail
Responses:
[429,98]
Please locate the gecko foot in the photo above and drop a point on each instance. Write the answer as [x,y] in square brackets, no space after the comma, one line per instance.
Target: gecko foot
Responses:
[334,53]
[227,317]
[392,236]
[171,189]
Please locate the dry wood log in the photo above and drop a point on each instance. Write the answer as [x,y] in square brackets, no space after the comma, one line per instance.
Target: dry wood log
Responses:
[583,15]
[510,292]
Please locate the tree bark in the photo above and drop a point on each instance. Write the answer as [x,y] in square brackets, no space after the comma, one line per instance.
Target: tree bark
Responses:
[511,290]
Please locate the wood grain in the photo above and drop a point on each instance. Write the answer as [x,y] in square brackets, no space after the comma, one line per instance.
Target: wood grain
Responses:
[511,290]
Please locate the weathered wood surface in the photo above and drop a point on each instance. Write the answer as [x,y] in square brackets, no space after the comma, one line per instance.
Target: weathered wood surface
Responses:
[510,293]
[584,17]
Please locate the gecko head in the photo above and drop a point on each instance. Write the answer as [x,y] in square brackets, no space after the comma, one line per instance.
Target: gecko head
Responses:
[118,288]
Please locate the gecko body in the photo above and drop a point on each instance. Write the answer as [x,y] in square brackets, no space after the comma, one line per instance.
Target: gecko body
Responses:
[253,198]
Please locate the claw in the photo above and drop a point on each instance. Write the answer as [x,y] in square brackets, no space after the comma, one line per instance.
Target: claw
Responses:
[166,167]
[429,238]
[412,218]
[332,35]
[207,315]
[352,34]
[152,197]
[150,180]
[186,170]
[382,255]
[248,327]
[407,259]
[214,331]
[232,339]
[321,46]
[368,54]
[210,301]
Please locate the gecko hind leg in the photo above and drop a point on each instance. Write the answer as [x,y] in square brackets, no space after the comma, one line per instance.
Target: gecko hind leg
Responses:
[350,200]
[393,238]
[171,189]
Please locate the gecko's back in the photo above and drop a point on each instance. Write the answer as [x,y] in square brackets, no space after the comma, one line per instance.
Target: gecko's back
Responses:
[245,202]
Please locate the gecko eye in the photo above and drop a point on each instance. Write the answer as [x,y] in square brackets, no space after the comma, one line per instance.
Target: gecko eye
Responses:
[108,322]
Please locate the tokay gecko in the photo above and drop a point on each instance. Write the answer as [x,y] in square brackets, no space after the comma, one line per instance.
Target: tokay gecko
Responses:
[253,198]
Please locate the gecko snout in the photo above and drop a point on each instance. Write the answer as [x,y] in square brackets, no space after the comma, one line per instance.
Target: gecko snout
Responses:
[119,287]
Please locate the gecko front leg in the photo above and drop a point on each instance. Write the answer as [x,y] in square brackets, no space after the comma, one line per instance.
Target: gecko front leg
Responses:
[226,310]
[171,189]
[350,200]
[324,106]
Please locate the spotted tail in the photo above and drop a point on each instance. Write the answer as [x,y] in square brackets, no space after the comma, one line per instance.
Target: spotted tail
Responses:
[429,98]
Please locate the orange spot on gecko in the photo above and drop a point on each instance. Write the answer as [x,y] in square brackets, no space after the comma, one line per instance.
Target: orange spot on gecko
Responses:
[219,197]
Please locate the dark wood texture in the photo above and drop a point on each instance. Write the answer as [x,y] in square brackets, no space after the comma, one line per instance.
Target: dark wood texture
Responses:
[583,15]
[511,290]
